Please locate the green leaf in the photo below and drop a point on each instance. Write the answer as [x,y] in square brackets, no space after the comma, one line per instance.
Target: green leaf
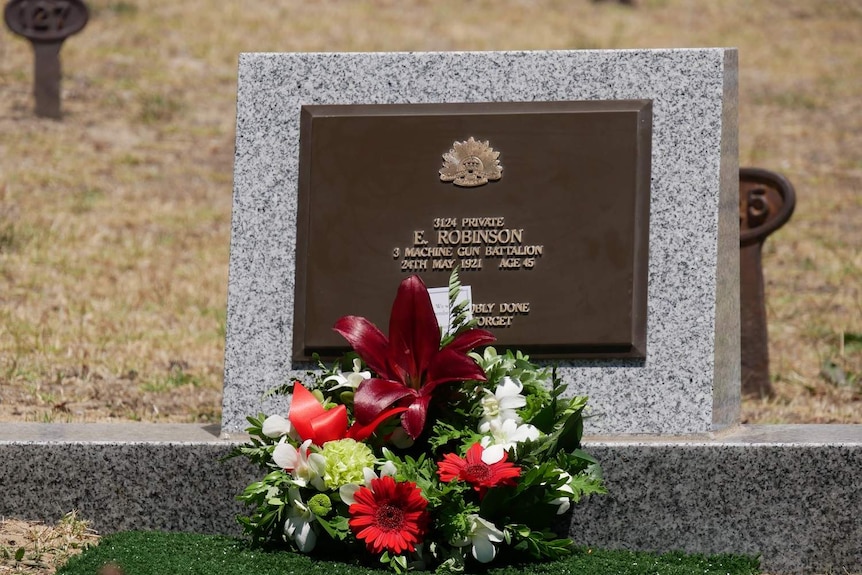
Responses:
[337,528]
[544,420]
[19,553]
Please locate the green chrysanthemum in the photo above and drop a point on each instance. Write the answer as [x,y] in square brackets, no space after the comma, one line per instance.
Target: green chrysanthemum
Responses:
[345,460]
[320,505]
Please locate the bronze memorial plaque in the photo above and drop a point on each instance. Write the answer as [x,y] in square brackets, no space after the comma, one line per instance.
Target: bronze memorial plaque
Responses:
[544,206]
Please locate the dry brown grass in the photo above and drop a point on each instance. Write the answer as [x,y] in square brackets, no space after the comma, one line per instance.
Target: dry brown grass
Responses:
[114,223]
[33,548]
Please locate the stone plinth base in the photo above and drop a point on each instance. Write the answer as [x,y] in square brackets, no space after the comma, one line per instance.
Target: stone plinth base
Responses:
[789,492]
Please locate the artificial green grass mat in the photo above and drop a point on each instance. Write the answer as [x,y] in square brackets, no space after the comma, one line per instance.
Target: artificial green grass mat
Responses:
[158,553]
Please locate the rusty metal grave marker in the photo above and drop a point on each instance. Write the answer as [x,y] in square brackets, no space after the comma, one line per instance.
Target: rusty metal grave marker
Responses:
[766,202]
[46,23]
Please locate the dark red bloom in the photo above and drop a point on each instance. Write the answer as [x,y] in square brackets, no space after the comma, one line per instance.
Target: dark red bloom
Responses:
[409,364]
[390,516]
[473,470]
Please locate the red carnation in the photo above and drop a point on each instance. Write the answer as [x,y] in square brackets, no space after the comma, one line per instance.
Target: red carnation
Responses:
[478,472]
[390,516]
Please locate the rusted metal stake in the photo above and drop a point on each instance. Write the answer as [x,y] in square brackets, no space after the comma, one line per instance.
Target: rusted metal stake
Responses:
[46,74]
[46,23]
[766,202]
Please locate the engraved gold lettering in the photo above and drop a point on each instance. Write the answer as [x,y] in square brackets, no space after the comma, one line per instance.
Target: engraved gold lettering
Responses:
[468,251]
[483,308]
[480,236]
[414,265]
[494,321]
[492,222]
[471,264]
[440,223]
[515,307]
[428,252]
[504,251]
[470,240]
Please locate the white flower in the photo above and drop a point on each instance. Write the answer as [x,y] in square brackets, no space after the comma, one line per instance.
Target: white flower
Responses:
[400,439]
[350,379]
[563,502]
[346,492]
[306,468]
[299,523]
[276,426]
[500,406]
[508,434]
[483,535]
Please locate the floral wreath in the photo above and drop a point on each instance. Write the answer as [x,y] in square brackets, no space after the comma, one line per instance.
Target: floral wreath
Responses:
[426,454]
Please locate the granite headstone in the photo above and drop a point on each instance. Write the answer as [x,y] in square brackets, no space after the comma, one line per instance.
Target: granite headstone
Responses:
[687,382]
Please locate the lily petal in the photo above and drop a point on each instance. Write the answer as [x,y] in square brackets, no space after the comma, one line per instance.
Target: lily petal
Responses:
[368,341]
[414,335]
[413,419]
[467,340]
[409,364]
[451,365]
[361,432]
[374,395]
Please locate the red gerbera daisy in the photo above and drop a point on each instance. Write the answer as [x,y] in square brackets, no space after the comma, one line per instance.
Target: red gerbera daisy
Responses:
[476,471]
[390,516]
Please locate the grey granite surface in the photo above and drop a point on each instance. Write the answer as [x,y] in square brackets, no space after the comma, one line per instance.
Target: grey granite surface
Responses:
[727,369]
[125,486]
[797,504]
[126,432]
[788,492]
[689,382]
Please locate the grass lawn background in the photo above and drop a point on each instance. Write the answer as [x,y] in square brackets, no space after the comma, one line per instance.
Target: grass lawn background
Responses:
[140,553]
[115,222]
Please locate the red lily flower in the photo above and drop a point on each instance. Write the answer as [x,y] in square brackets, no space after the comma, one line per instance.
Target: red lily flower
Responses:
[409,364]
[320,425]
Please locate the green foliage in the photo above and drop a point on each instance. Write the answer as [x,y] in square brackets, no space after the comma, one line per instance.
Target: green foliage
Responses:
[267,498]
[458,311]
[259,448]
[156,553]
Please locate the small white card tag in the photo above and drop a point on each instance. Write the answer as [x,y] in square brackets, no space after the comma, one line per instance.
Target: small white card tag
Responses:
[440,301]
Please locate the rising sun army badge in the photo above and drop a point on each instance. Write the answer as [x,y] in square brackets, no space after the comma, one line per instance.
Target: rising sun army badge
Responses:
[470,164]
